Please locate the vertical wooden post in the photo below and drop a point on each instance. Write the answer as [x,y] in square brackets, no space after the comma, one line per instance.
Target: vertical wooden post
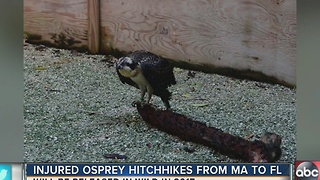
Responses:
[93,26]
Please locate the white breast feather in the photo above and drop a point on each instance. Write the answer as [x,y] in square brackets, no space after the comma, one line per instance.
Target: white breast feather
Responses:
[141,81]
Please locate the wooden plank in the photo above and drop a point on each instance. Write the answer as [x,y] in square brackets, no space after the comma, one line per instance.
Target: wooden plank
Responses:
[254,36]
[61,23]
[93,26]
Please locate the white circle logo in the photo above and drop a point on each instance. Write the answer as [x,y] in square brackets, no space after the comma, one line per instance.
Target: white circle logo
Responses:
[307,171]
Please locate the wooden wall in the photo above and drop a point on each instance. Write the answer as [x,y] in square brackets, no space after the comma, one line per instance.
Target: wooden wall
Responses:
[245,38]
[63,23]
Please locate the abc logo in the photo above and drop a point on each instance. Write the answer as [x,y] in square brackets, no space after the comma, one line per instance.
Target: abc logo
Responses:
[307,171]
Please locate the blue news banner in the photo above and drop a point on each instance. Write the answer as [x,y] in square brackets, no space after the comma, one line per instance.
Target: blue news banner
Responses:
[152,171]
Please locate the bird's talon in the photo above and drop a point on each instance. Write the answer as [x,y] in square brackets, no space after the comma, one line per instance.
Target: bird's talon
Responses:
[143,103]
[134,104]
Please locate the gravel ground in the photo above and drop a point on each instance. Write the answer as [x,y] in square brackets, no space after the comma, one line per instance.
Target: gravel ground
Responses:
[77,110]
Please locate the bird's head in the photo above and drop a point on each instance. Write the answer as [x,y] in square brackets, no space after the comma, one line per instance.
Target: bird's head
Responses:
[127,67]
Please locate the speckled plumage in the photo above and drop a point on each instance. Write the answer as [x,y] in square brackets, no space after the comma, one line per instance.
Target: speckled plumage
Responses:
[148,72]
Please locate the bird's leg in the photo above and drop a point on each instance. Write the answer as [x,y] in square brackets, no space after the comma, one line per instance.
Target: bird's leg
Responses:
[150,92]
[142,93]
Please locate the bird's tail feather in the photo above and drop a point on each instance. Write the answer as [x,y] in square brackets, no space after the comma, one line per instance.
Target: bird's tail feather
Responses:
[165,97]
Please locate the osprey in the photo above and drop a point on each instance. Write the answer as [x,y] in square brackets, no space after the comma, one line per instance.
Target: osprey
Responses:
[148,72]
